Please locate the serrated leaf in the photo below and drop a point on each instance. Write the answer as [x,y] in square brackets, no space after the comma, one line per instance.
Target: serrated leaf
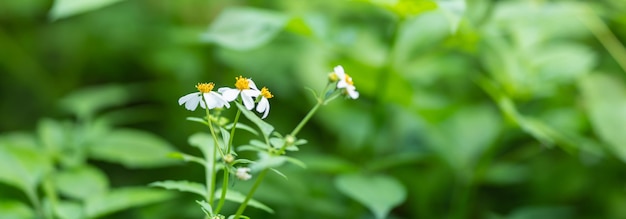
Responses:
[265,127]
[235,196]
[379,193]
[124,198]
[183,186]
[81,182]
[244,28]
[68,8]
[605,99]
[132,148]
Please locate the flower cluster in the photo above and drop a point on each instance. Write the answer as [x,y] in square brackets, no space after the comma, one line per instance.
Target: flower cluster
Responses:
[244,87]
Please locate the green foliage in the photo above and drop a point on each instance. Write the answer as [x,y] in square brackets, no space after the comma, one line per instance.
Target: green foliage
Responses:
[379,193]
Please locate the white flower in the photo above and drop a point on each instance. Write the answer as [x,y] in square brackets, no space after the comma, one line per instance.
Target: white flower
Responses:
[212,98]
[243,173]
[264,103]
[345,82]
[246,88]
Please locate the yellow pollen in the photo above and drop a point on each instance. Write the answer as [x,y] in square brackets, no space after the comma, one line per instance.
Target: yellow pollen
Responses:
[349,80]
[205,87]
[242,83]
[266,93]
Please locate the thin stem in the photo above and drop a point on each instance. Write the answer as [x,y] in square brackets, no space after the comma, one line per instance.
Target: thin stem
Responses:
[223,195]
[306,118]
[210,173]
[606,37]
[232,131]
[256,185]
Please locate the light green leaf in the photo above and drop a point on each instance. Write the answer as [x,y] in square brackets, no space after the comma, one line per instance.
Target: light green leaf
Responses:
[187,158]
[53,135]
[69,210]
[67,8]
[132,148]
[379,193]
[265,127]
[124,198]
[183,186]
[235,196]
[206,207]
[453,10]
[605,100]
[86,102]
[242,126]
[22,165]
[242,28]
[267,161]
[81,182]
[15,210]
[204,142]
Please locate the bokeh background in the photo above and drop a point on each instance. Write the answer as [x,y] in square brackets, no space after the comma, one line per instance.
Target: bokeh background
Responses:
[468,109]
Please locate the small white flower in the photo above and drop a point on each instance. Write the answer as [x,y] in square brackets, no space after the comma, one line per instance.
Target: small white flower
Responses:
[246,88]
[345,82]
[212,98]
[243,173]
[264,103]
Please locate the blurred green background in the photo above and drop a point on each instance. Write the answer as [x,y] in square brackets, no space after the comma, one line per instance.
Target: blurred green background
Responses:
[468,109]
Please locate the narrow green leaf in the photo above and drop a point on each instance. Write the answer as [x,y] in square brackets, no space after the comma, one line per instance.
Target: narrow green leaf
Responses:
[206,207]
[235,196]
[68,8]
[243,28]
[81,182]
[267,161]
[187,158]
[132,148]
[244,127]
[183,186]
[198,120]
[124,198]
[265,127]
[377,192]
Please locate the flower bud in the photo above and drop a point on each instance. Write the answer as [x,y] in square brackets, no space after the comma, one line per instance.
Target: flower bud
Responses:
[229,158]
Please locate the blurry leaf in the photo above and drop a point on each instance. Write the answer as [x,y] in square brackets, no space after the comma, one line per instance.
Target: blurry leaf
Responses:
[407,8]
[15,210]
[453,11]
[242,126]
[53,135]
[67,8]
[327,163]
[506,173]
[198,120]
[241,28]
[204,142]
[267,161]
[132,148]
[206,207]
[86,102]
[420,34]
[183,186]
[187,158]
[265,127]
[124,198]
[69,210]
[463,137]
[296,162]
[605,100]
[541,213]
[379,193]
[235,196]
[81,182]
[22,166]
[563,62]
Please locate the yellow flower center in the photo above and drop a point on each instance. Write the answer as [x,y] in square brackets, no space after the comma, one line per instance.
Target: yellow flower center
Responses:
[205,87]
[266,93]
[242,83]
[349,80]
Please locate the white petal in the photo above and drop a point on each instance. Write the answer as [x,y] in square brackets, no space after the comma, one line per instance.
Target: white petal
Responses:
[252,85]
[263,106]
[202,104]
[192,103]
[352,92]
[251,93]
[185,98]
[342,84]
[222,89]
[221,100]
[339,71]
[247,101]
[210,100]
[230,94]
[215,100]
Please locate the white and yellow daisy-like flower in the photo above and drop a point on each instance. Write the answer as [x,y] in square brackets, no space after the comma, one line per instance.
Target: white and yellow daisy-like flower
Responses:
[243,173]
[205,90]
[345,82]
[246,88]
[264,103]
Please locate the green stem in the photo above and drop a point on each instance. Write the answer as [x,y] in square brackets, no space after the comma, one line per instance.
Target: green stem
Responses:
[232,131]
[256,185]
[606,37]
[32,196]
[306,118]
[223,195]
[210,173]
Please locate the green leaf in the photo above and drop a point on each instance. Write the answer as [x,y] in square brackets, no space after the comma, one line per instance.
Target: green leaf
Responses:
[183,186]
[22,165]
[15,210]
[242,126]
[605,100]
[379,193]
[53,135]
[68,8]
[204,142]
[132,148]
[124,198]
[265,127]
[453,10]
[86,102]
[206,207]
[81,182]
[267,161]
[235,196]
[69,210]
[187,158]
[243,28]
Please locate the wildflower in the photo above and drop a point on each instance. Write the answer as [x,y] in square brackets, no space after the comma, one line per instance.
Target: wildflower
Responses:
[345,82]
[246,88]
[264,103]
[243,173]
[212,98]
